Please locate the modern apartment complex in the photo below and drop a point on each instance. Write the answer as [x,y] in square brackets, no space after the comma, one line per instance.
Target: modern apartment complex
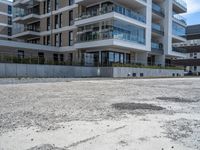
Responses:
[192,50]
[100,32]
[5,19]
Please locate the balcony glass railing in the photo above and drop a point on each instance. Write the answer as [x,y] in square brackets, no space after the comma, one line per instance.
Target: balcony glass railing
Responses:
[95,36]
[157,9]
[113,8]
[26,13]
[111,29]
[156,46]
[181,3]
[180,18]
[157,28]
[178,30]
[179,50]
[16,31]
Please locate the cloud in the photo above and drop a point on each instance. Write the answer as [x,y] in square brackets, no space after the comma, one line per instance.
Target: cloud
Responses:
[193,6]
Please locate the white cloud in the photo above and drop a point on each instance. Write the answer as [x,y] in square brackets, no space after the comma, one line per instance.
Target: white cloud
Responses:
[193,6]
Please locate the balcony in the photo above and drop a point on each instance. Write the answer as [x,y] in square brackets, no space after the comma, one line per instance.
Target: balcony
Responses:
[180,6]
[157,10]
[180,19]
[156,28]
[27,32]
[113,8]
[29,16]
[157,48]
[26,3]
[179,50]
[105,35]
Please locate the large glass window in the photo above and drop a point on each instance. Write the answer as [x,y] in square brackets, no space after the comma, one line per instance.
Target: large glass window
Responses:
[71,2]
[71,38]
[112,29]
[9,9]
[71,17]
[48,24]
[109,57]
[48,6]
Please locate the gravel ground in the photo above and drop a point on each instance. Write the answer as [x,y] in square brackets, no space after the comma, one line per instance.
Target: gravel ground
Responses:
[96,114]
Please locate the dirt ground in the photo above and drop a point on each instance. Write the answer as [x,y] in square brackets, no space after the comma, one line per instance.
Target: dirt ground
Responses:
[100,114]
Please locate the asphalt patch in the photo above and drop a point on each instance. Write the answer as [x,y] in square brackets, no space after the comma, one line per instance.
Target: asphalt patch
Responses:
[136,106]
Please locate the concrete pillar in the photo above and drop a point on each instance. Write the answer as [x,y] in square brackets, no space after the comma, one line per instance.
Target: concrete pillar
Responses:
[141,57]
[160,60]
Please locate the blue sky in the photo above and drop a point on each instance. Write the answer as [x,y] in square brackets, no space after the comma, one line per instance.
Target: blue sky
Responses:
[193,14]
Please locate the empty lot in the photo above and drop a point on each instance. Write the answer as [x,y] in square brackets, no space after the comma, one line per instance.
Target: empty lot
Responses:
[96,114]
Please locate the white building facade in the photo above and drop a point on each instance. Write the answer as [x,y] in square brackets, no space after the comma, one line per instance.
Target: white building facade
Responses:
[5,19]
[103,32]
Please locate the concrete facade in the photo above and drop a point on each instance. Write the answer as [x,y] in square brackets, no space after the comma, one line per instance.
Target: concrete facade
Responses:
[5,20]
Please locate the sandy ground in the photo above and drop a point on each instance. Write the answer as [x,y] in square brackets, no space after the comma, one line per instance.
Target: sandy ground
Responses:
[100,114]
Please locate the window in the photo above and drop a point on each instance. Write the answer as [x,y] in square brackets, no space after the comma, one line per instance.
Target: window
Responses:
[55,57]
[48,40]
[60,20]
[44,7]
[9,31]
[48,24]
[20,54]
[9,9]
[41,58]
[71,2]
[44,40]
[56,22]
[71,38]
[60,39]
[9,20]
[56,4]
[61,57]
[48,6]
[56,40]
[195,68]
[71,20]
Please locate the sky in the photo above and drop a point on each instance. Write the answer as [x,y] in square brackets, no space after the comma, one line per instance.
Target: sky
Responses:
[193,14]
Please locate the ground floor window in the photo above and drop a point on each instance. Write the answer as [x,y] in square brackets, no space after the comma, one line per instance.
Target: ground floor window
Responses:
[109,57]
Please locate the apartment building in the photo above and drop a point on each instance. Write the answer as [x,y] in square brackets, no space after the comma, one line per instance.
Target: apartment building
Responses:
[101,32]
[192,50]
[5,19]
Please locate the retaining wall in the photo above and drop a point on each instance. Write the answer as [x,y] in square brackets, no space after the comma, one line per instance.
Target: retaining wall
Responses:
[53,71]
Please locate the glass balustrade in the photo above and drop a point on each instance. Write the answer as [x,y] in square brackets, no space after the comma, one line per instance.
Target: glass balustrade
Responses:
[157,9]
[113,29]
[180,18]
[113,8]
[181,3]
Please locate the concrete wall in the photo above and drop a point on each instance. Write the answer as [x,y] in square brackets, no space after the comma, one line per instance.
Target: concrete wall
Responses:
[49,71]
[143,72]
